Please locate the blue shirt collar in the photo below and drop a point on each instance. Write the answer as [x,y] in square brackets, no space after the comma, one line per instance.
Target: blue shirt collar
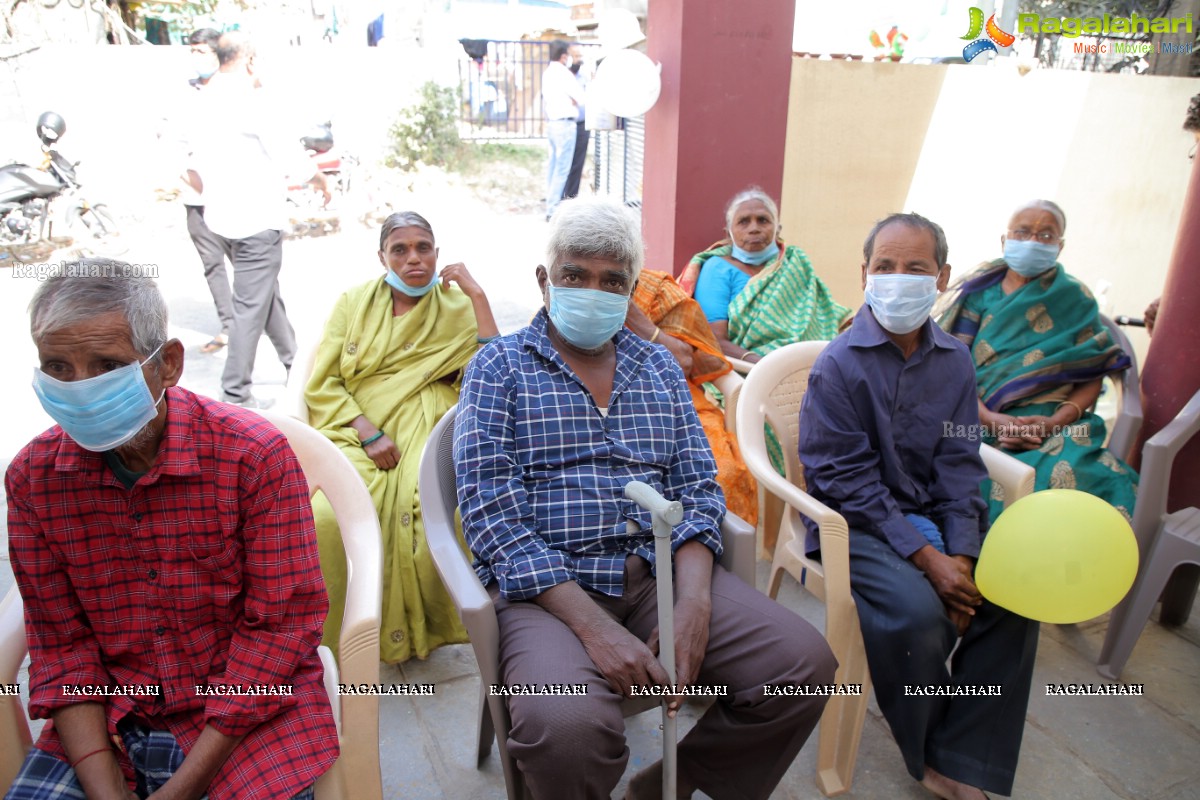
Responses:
[867,332]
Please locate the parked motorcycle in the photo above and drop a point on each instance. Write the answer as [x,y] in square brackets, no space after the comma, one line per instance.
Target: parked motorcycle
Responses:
[41,208]
[309,215]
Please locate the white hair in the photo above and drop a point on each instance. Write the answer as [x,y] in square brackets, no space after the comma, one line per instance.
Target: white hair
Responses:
[745,196]
[595,227]
[92,287]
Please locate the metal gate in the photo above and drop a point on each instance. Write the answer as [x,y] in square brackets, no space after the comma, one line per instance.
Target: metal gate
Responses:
[501,89]
[618,159]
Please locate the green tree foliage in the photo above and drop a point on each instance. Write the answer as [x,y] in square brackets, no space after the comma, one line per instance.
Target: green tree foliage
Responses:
[427,131]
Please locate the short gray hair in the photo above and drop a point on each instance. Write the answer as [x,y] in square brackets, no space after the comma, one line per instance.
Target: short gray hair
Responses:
[941,249]
[595,227]
[92,287]
[746,195]
[1046,205]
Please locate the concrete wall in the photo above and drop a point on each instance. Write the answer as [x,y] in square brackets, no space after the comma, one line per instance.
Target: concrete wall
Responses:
[964,145]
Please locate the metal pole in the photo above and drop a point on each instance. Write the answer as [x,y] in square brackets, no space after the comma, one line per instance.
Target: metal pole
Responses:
[664,516]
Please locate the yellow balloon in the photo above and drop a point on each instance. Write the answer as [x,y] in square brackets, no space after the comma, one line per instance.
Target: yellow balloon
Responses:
[1058,556]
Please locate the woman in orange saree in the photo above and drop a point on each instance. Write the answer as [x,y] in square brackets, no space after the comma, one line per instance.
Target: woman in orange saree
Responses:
[665,314]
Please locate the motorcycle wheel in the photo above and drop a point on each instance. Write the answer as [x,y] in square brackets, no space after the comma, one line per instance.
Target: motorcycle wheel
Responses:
[95,221]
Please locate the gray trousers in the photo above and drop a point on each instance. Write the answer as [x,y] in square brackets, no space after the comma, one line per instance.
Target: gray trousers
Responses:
[908,636]
[213,250]
[574,747]
[257,308]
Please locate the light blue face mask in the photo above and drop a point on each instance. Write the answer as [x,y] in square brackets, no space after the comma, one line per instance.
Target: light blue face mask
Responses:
[756,259]
[1029,258]
[587,318]
[103,412]
[393,280]
[901,302]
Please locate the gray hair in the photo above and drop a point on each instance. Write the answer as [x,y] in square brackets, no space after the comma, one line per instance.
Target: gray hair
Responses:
[403,219]
[595,227]
[1046,205]
[746,195]
[941,249]
[92,287]
[233,46]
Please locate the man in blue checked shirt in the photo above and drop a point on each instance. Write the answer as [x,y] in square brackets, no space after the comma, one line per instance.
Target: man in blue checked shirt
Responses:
[553,422]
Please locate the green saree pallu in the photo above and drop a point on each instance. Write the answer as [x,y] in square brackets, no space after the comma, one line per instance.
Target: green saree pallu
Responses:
[401,373]
[784,303]
[1031,348]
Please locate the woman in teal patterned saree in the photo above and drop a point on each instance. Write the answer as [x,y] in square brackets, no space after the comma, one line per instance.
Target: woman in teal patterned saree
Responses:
[1041,352]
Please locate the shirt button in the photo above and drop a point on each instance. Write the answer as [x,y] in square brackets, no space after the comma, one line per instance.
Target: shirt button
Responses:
[153,574]
[160,630]
[137,516]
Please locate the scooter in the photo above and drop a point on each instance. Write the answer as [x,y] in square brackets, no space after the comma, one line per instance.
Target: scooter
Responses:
[309,216]
[41,208]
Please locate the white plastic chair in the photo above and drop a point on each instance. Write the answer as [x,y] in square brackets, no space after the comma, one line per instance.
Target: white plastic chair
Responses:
[356,774]
[772,395]
[439,496]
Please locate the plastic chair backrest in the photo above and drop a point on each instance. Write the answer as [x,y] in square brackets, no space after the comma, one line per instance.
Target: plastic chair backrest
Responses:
[780,389]
[15,737]
[1129,398]
[328,471]
[293,404]
[1154,482]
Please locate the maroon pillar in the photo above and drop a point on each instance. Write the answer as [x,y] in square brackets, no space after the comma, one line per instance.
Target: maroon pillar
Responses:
[1172,372]
[721,119]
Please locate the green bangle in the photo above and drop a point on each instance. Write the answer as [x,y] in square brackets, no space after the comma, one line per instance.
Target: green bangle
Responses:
[486,339]
[372,439]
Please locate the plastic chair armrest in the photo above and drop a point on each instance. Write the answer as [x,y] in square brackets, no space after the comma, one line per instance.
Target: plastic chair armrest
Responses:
[730,387]
[1014,476]
[739,366]
[737,537]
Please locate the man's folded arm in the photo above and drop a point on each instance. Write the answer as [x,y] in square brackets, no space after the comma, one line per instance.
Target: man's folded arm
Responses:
[691,478]
[498,523]
[285,600]
[65,651]
[842,466]
[958,470]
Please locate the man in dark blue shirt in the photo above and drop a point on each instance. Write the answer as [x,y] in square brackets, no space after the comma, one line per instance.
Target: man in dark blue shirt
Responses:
[890,439]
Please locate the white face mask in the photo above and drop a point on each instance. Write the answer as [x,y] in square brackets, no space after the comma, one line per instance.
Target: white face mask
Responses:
[901,302]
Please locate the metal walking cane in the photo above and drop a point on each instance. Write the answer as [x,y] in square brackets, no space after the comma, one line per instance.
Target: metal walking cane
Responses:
[665,515]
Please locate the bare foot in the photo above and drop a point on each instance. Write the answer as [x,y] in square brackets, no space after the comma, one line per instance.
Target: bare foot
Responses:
[949,789]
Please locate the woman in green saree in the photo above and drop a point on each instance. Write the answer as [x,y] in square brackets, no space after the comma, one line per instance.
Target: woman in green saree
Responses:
[387,369]
[758,293]
[1041,352]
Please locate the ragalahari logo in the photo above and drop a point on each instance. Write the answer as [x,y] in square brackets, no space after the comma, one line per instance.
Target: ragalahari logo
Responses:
[995,36]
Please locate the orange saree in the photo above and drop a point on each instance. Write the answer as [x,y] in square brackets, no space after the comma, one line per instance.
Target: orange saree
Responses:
[671,308]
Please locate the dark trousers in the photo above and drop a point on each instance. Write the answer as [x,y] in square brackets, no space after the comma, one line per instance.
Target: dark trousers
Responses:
[257,308]
[581,142]
[213,251]
[908,636]
[574,747]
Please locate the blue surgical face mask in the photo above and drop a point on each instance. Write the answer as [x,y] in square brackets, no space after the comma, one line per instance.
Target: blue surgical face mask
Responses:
[756,259]
[393,280]
[103,412]
[901,302]
[587,318]
[1029,259]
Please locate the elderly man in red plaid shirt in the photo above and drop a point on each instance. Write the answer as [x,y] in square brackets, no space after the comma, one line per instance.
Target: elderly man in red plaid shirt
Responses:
[164,548]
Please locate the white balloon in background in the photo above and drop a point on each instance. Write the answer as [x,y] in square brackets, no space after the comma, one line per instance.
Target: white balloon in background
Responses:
[627,83]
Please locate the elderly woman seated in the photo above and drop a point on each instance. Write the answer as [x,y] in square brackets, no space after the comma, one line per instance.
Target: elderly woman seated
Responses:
[662,312]
[1041,352]
[758,293]
[388,368]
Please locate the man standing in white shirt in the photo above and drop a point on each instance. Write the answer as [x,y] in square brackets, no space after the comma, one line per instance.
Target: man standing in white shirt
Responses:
[561,101]
[241,158]
[575,174]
